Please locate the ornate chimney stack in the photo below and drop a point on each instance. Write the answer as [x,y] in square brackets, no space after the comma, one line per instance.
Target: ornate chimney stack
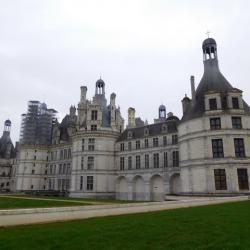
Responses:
[131,117]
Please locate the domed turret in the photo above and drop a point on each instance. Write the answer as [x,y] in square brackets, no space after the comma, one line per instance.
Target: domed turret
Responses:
[162,111]
[100,87]
[7,125]
[209,48]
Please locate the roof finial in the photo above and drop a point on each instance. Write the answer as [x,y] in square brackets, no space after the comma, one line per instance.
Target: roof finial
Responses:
[208,33]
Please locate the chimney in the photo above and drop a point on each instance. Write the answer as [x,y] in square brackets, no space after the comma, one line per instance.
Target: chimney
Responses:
[185,104]
[83,94]
[131,117]
[192,88]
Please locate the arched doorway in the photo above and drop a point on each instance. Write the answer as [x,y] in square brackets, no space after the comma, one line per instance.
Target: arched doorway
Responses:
[175,184]
[122,188]
[157,188]
[138,188]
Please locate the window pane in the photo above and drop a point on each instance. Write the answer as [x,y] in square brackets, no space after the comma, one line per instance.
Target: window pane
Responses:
[220,179]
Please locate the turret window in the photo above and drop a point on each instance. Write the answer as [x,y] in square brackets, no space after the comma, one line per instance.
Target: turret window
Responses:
[90,183]
[94,115]
[212,104]
[236,122]
[91,145]
[90,162]
[215,123]
[217,147]
[243,179]
[235,103]
[220,179]
[239,148]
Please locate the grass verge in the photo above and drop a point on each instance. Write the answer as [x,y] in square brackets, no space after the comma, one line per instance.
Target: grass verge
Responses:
[224,226]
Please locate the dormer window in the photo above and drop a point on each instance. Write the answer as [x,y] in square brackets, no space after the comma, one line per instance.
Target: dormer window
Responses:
[164,128]
[146,131]
[212,104]
[235,103]
[129,134]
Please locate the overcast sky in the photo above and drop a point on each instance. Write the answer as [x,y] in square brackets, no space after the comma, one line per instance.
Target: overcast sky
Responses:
[145,51]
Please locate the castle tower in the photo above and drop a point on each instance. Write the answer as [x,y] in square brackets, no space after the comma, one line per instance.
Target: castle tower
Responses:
[212,134]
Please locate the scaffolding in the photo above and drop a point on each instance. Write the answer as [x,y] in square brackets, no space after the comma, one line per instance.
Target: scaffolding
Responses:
[36,124]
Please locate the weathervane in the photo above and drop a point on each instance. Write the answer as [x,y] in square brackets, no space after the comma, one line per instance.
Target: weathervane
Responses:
[208,33]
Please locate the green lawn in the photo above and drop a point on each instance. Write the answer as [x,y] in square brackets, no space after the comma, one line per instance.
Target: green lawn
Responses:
[12,203]
[225,226]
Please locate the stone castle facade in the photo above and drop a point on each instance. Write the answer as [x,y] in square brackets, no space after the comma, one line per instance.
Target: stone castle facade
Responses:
[91,154]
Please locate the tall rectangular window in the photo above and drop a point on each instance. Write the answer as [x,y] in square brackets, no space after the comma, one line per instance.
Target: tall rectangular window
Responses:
[165,159]
[68,168]
[212,104]
[156,160]
[138,162]
[60,169]
[81,182]
[121,163]
[122,146]
[61,154]
[155,142]
[91,145]
[146,143]
[175,158]
[82,144]
[239,147]
[65,154]
[130,162]
[129,146]
[220,179]
[165,141]
[217,148]
[215,123]
[174,139]
[235,102]
[82,163]
[137,144]
[236,122]
[243,179]
[94,115]
[90,162]
[147,161]
[90,183]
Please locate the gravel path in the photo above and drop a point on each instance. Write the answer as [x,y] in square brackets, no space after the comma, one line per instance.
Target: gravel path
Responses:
[46,215]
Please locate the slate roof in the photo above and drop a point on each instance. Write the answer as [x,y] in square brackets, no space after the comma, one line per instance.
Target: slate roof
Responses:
[153,129]
[212,80]
[6,142]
